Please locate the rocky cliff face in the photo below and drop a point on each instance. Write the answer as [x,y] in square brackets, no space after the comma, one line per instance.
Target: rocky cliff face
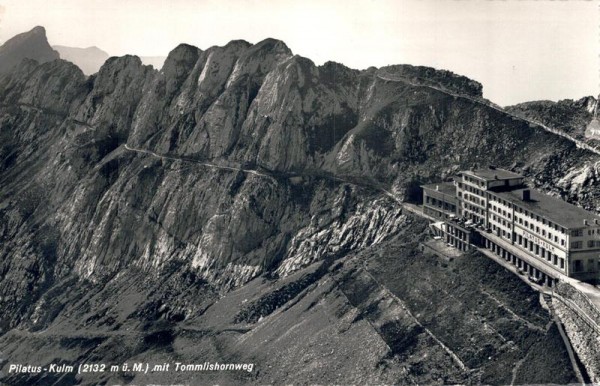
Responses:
[228,164]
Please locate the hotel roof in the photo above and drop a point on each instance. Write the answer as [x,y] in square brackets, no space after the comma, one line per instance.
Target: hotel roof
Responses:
[491,174]
[551,208]
[442,187]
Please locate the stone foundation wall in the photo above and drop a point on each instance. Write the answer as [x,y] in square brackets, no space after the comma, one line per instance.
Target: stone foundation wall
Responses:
[584,337]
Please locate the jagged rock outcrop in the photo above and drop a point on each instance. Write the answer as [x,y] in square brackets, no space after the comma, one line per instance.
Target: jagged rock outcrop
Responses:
[28,45]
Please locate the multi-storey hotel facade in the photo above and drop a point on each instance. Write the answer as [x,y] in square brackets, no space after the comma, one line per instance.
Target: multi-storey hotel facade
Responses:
[543,235]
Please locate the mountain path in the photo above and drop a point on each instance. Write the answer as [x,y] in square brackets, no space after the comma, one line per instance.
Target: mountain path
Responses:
[207,164]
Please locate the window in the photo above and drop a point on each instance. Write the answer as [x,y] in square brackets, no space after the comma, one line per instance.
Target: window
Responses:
[577,266]
[590,244]
[562,263]
[577,232]
[576,244]
[562,242]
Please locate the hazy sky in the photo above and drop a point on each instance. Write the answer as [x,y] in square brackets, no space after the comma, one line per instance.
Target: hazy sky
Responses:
[518,50]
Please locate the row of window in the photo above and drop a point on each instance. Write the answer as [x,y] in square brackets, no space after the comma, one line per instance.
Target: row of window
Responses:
[520,220]
[528,225]
[473,180]
[534,228]
[541,252]
[590,244]
[473,208]
[475,200]
[440,204]
[471,189]
[532,247]
[499,210]
[501,221]
[460,234]
[532,215]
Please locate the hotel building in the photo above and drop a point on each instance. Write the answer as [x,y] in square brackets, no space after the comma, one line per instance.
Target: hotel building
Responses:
[540,234]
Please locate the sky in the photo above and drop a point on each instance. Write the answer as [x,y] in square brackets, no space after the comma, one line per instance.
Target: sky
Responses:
[520,50]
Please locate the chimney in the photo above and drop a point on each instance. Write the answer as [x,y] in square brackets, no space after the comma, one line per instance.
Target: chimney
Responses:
[437,187]
[526,195]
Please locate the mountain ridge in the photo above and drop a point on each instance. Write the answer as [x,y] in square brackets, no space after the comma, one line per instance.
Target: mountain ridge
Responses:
[256,107]
[246,170]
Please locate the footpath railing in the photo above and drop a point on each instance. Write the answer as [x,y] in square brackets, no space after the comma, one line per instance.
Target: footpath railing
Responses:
[582,303]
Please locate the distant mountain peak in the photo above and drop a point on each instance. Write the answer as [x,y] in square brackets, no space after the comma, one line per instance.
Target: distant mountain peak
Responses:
[38,30]
[88,59]
[32,44]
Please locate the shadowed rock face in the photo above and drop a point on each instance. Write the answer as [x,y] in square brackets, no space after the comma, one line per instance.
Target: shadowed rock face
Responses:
[230,163]
[30,45]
